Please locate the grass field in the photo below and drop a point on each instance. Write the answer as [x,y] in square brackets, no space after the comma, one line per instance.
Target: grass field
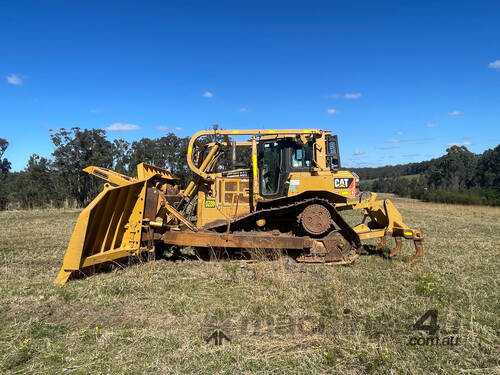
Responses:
[281,317]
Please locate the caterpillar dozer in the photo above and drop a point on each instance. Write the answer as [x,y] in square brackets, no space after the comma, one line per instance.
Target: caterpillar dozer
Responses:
[290,195]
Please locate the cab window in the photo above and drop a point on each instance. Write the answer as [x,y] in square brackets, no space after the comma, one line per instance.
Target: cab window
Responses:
[302,157]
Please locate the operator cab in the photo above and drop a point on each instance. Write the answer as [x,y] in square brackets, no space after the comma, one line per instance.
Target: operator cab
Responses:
[278,157]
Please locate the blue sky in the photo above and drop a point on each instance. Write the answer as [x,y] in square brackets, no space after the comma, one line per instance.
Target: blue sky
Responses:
[397,81]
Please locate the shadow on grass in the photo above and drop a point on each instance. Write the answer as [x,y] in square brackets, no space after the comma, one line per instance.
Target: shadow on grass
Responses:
[179,254]
[171,254]
[370,250]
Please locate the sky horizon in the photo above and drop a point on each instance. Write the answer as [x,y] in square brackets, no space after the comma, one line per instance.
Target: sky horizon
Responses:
[398,82]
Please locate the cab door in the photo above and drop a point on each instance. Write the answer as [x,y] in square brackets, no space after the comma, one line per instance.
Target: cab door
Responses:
[270,160]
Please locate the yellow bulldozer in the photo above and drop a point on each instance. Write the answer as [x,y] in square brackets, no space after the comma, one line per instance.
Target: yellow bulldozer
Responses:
[289,196]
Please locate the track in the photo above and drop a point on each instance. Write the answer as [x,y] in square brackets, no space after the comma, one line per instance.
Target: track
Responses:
[314,219]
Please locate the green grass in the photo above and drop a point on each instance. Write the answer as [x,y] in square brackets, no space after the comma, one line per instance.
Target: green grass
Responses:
[281,317]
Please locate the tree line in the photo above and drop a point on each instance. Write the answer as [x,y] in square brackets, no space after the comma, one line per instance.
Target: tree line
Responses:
[459,176]
[59,181]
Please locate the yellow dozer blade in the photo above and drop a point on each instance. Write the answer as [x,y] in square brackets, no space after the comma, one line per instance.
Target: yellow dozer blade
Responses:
[111,226]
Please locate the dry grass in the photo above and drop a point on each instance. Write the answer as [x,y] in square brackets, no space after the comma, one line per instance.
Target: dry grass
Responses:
[281,317]
[269,267]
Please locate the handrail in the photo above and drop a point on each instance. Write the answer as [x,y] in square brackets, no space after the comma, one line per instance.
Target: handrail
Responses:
[253,132]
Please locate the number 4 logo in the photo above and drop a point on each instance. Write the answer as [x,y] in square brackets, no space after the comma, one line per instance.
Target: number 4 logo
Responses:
[432,327]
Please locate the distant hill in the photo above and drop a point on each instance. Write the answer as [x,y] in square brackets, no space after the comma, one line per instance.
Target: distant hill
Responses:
[393,170]
[459,176]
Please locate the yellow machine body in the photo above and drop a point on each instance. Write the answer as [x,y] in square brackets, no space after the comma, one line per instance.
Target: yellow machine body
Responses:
[292,175]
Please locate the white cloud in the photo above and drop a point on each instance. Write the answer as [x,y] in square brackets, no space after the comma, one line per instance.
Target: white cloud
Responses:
[331,111]
[208,94]
[408,140]
[411,155]
[459,144]
[119,127]
[349,95]
[357,153]
[400,132]
[455,113]
[96,110]
[168,128]
[494,65]
[243,109]
[387,148]
[15,79]
[429,125]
